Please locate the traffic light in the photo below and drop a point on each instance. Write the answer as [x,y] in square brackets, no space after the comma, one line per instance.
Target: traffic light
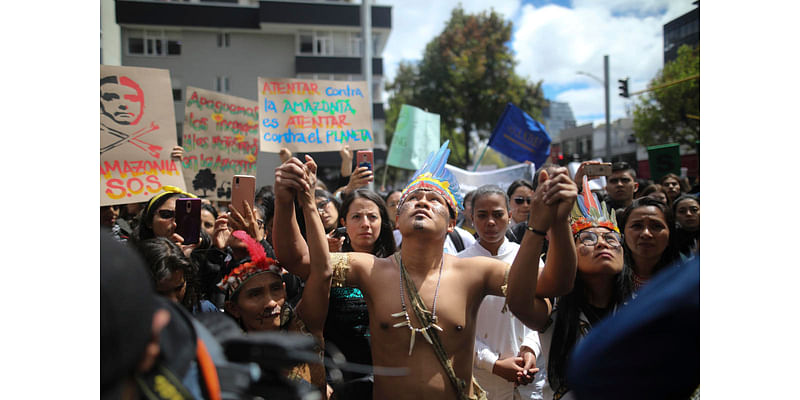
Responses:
[623,87]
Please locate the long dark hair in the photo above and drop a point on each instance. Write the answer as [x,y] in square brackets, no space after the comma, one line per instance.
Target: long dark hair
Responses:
[567,330]
[670,253]
[384,246]
[164,258]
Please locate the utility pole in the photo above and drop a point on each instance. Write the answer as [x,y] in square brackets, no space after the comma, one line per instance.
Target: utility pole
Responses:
[608,113]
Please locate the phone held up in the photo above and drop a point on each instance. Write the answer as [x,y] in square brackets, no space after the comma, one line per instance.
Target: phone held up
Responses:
[187,219]
[340,232]
[244,191]
[603,169]
[364,159]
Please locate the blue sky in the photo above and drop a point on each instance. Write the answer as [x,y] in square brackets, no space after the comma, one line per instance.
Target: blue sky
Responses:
[553,40]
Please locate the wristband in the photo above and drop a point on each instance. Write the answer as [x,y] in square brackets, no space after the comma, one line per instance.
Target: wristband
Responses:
[530,228]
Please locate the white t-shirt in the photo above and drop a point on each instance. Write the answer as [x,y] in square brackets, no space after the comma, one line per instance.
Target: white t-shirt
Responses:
[499,335]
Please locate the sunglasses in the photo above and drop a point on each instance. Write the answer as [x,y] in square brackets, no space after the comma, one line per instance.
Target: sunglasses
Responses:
[520,200]
[166,214]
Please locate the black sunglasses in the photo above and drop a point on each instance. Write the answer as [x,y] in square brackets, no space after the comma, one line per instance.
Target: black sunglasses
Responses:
[520,200]
[166,214]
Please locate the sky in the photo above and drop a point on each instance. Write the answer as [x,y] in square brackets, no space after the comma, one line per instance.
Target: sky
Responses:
[553,40]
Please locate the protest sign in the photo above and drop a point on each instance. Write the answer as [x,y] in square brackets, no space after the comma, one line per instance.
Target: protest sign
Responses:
[313,115]
[664,159]
[137,134]
[520,137]
[415,136]
[220,140]
[469,181]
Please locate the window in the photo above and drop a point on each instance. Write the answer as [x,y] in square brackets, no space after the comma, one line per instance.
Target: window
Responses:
[323,43]
[177,94]
[355,44]
[315,43]
[223,40]
[306,43]
[154,43]
[223,84]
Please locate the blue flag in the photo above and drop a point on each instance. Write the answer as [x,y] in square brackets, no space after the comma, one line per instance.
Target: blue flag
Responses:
[520,137]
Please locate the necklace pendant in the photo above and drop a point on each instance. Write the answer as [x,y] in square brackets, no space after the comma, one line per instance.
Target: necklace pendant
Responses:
[400,314]
[411,344]
[426,336]
[437,327]
[399,324]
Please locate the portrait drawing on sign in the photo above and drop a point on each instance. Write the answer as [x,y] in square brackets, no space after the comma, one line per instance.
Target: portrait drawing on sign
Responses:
[121,110]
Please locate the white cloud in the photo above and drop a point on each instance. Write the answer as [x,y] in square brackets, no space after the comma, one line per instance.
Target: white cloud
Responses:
[552,43]
[416,22]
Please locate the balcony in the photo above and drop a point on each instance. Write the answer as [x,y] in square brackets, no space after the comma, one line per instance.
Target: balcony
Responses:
[222,15]
[334,65]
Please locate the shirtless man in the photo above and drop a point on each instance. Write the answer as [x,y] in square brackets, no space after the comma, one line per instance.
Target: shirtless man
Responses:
[450,287]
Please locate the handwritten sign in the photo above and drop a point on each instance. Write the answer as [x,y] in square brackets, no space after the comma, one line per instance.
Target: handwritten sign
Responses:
[313,115]
[220,140]
[137,134]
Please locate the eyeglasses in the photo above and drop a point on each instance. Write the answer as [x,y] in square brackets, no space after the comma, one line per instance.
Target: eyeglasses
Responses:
[260,223]
[166,214]
[322,204]
[520,200]
[588,238]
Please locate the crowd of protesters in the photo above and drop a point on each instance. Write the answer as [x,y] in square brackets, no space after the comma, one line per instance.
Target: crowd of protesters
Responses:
[273,267]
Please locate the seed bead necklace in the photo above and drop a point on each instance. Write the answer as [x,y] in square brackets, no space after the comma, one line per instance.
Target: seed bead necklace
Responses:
[431,323]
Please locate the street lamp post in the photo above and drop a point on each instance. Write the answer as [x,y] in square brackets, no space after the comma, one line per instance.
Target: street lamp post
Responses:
[608,113]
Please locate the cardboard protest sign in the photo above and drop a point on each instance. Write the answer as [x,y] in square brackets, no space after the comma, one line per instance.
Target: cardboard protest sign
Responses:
[416,136]
[137,134]
[313,115]
[220,140]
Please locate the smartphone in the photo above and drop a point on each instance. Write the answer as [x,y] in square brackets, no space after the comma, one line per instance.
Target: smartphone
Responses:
[340,232]
[244,191]
[603,169]
[364,159]
[187,219]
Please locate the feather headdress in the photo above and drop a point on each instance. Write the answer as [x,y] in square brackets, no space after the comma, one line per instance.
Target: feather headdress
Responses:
[434,176]
[259,262]
[589,212]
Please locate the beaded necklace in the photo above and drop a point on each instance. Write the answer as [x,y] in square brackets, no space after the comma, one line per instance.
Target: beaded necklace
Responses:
[432,320]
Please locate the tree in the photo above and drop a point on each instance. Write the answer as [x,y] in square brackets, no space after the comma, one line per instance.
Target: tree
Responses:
[205,180]
[665,115]
[467,77]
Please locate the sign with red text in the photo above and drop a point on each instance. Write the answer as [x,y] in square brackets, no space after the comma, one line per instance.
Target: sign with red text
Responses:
[137,134]
[220,140]
[313,115]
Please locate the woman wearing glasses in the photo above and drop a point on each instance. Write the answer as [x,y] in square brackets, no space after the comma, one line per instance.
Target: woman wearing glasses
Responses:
[520,192]
[602,284]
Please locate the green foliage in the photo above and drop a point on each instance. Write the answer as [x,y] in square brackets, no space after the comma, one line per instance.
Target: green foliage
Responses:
[467,77]
[663,115]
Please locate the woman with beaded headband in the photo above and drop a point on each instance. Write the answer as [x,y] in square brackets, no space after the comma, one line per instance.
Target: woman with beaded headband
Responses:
[602,283]
[256,295]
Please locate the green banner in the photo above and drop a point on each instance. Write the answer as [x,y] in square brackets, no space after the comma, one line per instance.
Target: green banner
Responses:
[415,136]
[664,159]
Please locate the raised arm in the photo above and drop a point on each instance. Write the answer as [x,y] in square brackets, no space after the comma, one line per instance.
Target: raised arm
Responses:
[558,275]
[313,306]
[549,202]
[290,248]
